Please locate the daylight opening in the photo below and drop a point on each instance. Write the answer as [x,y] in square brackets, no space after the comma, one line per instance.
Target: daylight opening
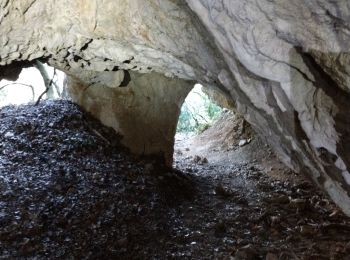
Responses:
[31,86]
[198,112]
[210,130]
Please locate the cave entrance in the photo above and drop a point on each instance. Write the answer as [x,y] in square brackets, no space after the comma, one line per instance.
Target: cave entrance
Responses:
[211,131]
[198,112]
[212,136]
[30,86]
[201,111]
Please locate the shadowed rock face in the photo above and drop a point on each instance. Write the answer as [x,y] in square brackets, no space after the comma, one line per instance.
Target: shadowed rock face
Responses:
[284,64]
[144,111]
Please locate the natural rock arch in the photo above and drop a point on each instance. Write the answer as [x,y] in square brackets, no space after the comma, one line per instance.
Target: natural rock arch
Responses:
[285,63]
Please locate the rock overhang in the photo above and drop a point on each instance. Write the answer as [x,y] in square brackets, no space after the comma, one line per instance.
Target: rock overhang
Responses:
[284,64]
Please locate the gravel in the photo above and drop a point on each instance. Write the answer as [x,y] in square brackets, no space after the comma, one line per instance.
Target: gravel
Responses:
[68,189]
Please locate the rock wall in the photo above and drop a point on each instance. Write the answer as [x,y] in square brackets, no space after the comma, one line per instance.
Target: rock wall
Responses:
[289,73]
[284,63]
[144,111]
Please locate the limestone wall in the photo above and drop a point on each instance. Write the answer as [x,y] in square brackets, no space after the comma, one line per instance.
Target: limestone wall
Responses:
[145,112]
[285,64]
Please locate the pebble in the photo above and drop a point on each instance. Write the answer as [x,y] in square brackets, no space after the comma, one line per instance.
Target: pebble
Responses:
[9,135]
[242,142]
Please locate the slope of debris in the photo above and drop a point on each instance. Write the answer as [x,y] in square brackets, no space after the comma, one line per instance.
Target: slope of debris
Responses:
[69,190]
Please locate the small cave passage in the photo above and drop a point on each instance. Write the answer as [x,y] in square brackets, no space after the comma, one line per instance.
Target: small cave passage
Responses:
[30,86]
[255,206]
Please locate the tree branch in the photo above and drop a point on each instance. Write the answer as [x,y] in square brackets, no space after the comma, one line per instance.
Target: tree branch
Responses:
[47,81]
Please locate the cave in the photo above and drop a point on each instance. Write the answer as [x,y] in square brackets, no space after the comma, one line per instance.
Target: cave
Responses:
[268,180]
[33,84]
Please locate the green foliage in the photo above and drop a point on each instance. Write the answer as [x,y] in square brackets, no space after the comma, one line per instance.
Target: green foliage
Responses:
[186,122]
[197,113]
[213,110]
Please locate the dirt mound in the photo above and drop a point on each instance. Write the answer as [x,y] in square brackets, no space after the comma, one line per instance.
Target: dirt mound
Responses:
[68,189]
[225,134]
[262,209]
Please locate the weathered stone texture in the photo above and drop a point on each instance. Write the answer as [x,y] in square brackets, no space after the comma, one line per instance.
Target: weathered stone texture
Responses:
[145,112]
[290,60]
[284,63]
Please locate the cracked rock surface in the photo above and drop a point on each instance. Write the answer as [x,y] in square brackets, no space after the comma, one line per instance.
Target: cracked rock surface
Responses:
[285,64]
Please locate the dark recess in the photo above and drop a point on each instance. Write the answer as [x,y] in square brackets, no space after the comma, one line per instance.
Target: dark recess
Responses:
[126,79]
[12,71]
[128,61]
[86,45]
[77,58]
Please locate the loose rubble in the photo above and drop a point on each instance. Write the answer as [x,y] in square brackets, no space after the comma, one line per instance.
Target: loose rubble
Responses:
[68,189]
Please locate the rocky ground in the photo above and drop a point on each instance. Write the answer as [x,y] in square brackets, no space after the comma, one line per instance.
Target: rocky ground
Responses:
[69,190]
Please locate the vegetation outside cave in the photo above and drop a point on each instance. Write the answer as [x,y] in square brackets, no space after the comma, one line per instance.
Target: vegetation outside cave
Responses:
[31,86]
[198,112]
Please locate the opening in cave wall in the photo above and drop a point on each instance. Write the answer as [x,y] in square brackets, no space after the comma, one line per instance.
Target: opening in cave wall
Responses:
[211,130]
[198,112]
[30,85]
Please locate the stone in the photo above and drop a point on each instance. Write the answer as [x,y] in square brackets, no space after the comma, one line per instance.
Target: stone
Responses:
[242,142]
[283,64]
[9,135]
[197,159]
[247,252]
[145,112]
[204,160]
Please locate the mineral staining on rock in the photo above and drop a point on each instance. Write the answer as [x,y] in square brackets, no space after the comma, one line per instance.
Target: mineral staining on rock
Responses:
[283,63]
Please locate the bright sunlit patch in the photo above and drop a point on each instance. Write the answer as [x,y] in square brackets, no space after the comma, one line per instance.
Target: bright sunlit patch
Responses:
[28,87]
[198,111]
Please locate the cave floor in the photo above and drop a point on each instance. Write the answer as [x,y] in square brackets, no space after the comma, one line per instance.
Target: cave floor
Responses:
[69,190]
